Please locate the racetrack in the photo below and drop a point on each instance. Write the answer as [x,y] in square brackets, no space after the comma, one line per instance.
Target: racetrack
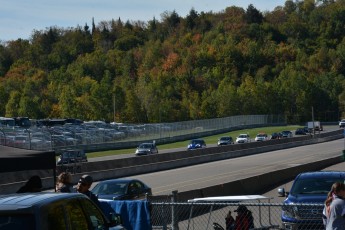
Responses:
[208,174]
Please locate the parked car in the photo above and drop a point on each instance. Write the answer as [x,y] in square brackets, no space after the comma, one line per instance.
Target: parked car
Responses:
[286,134]
[40,211]
[276,136]
[122,189]
[196,144]
[146,148]
[72,156]
[308,187]
[342,123]
[300,131]
[225,141]
[306,129]
[261,137]
[243,138]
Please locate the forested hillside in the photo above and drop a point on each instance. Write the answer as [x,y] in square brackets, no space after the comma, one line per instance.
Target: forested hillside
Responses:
[205,65]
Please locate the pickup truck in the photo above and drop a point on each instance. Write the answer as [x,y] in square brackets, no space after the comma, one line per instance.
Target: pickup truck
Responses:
[310,188]
[314,125]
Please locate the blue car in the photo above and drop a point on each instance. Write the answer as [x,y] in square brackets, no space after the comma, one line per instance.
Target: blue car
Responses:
[122,189]
[312,188]
[196,144]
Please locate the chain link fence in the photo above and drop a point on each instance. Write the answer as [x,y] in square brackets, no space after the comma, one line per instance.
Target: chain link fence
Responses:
[117,135]
[235,215]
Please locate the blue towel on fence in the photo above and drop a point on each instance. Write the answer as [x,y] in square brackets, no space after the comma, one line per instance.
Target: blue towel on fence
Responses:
[135,214]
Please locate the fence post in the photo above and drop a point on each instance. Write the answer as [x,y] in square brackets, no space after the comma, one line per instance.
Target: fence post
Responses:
[174,216]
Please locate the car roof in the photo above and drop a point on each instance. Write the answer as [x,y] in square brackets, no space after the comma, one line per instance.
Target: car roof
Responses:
[27,200]
[198,140]
[322,174]
[121,180]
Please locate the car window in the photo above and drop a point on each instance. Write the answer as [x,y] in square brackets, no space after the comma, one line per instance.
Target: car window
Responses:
[94,215]
[139,185]
[76,216]
[17,222]
[312,186]
[55,215]
[109,188]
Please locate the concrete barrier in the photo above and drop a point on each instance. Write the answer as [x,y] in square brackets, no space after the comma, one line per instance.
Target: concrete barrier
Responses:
[259,183]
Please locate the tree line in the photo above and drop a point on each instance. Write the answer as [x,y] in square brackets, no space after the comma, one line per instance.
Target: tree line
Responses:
[204,65]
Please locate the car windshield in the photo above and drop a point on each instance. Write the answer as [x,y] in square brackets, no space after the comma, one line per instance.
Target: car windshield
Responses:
[261,135]
[145,146]
[312,186]
[196,142]
[114,188]
[242,136]
[225,138]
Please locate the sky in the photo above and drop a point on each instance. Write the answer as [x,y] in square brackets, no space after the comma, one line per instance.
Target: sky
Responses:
[19,18]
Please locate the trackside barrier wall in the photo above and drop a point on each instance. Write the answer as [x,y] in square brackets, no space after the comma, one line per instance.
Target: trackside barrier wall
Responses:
[10,182]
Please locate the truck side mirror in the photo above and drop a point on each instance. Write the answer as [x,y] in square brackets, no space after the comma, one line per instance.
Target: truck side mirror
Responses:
[281,191]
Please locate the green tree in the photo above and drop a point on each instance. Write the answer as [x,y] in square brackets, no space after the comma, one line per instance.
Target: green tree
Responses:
[12,105]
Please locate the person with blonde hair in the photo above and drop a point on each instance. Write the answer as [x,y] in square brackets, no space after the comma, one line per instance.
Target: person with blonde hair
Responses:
[334,210]
[64,183]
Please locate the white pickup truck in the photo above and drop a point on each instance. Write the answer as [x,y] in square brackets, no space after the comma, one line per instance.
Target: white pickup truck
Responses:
[316,125]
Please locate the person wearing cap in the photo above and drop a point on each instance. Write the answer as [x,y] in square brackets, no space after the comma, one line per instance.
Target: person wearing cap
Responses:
[244,219]
[83,187]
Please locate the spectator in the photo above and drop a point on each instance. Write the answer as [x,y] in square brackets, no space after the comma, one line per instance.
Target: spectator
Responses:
[229,221]
[336,212]
[244,219]
[83,187]
[34,184]
[328,201]
[64,183]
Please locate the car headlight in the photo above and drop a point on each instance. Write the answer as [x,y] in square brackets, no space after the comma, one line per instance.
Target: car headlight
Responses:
[290,211]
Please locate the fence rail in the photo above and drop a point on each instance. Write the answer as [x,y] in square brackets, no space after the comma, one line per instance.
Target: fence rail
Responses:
[199,216]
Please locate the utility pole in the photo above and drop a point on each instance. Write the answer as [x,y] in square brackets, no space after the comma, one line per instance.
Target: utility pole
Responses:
[114,105]
[312,118]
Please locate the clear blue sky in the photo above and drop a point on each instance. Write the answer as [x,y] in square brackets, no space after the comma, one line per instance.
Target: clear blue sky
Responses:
[18,18]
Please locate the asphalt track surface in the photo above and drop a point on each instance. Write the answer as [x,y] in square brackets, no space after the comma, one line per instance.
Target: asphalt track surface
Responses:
[213,173]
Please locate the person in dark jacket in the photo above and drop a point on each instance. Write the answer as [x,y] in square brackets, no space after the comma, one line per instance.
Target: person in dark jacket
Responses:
[83,187]
[229,221]
[34,184]
[244,219]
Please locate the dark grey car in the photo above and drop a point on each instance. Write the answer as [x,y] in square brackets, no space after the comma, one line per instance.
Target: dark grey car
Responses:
[40,211]
[225,141]
[72,156]
[146,148]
